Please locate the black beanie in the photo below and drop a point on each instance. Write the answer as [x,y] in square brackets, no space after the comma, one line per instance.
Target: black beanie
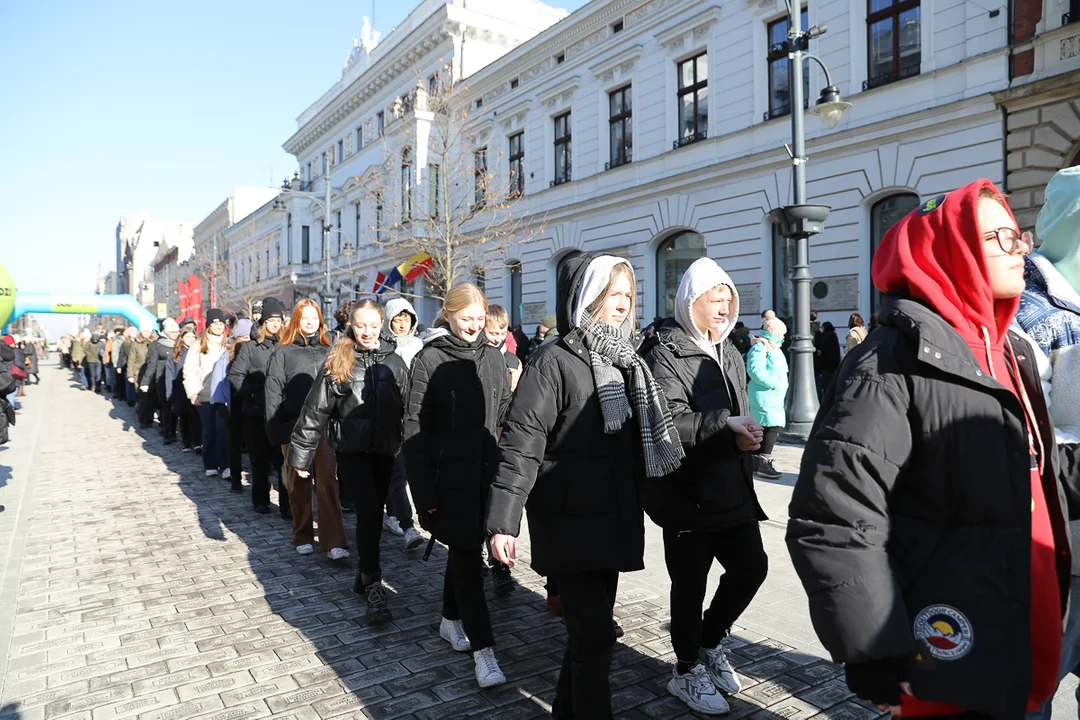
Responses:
[214,315]
[272,308]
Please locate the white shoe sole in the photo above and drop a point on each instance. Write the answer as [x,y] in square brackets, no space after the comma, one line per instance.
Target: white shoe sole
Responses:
[467,647]
[491,681]
[414,543]
[305,551]
[674,689]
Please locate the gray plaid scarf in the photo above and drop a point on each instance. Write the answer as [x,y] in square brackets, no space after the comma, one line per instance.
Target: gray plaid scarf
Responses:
[610,351]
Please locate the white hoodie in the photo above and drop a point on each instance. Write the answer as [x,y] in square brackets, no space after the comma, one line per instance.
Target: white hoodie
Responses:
[703,275]
[408,344]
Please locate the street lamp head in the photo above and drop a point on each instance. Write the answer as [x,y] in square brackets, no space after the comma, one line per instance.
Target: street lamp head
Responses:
[830,107]
[292,276]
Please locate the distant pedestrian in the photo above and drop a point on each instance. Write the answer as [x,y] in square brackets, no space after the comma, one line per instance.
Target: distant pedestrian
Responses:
[857,332]
[767,368]
[187,415]
[153,380]
[826,356]
[136,366]
[198,369]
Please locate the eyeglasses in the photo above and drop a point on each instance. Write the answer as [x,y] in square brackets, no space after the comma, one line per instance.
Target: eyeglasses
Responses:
[1010,241]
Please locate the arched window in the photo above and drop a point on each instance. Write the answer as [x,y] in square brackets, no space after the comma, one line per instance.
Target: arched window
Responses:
[514,269]
[883,215]
[673,257]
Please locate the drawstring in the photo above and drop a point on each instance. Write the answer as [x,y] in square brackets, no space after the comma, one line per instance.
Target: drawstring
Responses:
[1024,399]
[989,357]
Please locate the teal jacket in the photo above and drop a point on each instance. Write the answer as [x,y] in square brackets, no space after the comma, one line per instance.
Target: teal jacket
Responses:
[768,371]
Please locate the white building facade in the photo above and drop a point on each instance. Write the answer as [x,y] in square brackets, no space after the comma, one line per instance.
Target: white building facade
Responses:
[139,239]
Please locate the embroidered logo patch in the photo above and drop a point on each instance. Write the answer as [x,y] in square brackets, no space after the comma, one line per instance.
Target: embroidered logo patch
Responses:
[946,632]
[932,204]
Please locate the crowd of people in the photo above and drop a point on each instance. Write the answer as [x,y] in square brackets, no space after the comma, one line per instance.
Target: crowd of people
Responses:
[928,523]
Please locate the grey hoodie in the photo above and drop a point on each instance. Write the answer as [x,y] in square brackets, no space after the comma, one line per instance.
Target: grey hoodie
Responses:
[408,344]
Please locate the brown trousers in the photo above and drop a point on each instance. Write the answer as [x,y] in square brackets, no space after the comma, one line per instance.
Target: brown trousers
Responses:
[324,475]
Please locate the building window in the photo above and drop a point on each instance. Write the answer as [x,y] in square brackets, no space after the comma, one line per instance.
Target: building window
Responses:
[617,27]
[337,224]
[378,219]
[673,258]
[267,262]
[883,215]
[325,166]
[433,84]
[357,220]
[277,256]
[434,191]
[340,151]
[305,244]
[308,173]
[620,129]
[514,269]
[517,164]
[693,100]
[560,58]
[514,83]
[480,178]
[894,43]
[783,257]
[380,122]
[563,149]
[406,184]
[779,68]
[359,137]
[481,279]
[288,239]
[479,103]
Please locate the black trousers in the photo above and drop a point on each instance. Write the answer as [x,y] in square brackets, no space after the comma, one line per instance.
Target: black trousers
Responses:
[463,595]
[689,555]
[235,428]
[168,419]
[260,453]
[366,480]
[584,690]
[397,500]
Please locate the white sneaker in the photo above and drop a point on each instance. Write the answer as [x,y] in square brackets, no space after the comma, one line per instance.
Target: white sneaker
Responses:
[305,549]
[453,632]
[696,689]
[337,554]
[211,473]
[720,670]
[413,539]
[391,523]
[488,673]
[227,473]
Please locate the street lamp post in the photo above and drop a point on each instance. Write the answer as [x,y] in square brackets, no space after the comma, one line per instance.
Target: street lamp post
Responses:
[800,221]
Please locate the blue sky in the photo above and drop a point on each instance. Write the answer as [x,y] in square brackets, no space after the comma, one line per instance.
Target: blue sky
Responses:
[113,107]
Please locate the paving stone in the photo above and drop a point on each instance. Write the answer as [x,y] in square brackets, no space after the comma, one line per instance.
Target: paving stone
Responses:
[305,697]
[215,686]
[136,705]
[263,689]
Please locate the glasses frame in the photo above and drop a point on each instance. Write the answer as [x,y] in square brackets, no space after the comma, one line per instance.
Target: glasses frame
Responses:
[1025,236]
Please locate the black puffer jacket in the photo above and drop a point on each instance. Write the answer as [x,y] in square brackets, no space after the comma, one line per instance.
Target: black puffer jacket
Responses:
[579,484]
[364,415]
[914,494]
[247,375]
[156,356]
[290,373]
[458,394]
[714,487]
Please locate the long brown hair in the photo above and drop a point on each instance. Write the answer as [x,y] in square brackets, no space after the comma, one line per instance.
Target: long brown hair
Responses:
[180,344]
[342,359]
[263,333]
[204,343]
[292,330]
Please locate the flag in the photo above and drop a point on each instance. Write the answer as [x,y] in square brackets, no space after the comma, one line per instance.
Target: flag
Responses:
[392,279]
[415,266]
[375,280]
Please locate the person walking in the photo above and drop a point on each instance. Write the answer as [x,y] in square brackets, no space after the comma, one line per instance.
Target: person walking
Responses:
[358,392]
[112,354]
[153,380]
[457,398]
[198,370]
[767,369]
[928,524]
[290,375]
[240,336]
[136,365]
[707,507]
[92,356]
[401,324]
[186,413]
[857,332]
[247,377]
[126,388]
[588,419]
[826,356]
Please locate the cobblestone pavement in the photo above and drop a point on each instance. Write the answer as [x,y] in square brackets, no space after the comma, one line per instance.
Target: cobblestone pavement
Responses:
[135,587]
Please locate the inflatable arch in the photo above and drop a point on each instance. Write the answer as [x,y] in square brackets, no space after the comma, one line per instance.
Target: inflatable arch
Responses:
[14,304]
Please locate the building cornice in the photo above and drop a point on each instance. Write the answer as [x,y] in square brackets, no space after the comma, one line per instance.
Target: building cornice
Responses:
[569,85]
[692,25]
[630,55]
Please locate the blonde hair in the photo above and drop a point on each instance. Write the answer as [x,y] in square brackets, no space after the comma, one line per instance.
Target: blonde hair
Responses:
[497,316]
[462,296]
[263,333]
[342,359]
[618,270]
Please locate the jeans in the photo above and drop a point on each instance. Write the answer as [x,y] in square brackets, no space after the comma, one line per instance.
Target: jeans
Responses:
[584,690]
[397,500]
[689,555]
[215,442]
[463,596]
[110,377]
[1070,649]
[366,479]
[129,391]
[93,375]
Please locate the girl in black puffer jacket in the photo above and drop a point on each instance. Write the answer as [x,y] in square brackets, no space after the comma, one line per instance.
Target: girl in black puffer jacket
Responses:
[359,394]
[458,394]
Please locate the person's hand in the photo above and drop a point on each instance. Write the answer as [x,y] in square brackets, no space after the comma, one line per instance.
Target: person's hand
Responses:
[131,380]
[195,399]
[303,473]
[503,547]
[880,682]
[144,388]
[748,433]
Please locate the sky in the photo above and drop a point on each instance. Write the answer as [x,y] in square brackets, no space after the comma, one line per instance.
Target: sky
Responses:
[113,107]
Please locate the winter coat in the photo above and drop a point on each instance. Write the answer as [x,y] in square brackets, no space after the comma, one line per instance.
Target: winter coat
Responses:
[827,353]
[364,415]
[78,350]
[767,368]
[92,352]
[913,504]
[156,355]
[409,344]
[32,359]
[136,358]
[247,375]
[181,403]
[579,485]
[125,351]
[290,373]
[7,386]
[173,368]
[199,366]
[854,337]
[458,395]
[219,382]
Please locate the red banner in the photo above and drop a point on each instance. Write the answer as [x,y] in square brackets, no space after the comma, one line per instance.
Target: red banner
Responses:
[195,301]
[182,288]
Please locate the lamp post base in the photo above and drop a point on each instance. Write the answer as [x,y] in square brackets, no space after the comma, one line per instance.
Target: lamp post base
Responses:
[796,433]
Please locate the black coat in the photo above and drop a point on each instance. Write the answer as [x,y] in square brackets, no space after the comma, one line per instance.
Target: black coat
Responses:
[290,373]
[364,415]
[247,375]
[458,394]
[713,489]
[914,493]
[579,485]
[154,373]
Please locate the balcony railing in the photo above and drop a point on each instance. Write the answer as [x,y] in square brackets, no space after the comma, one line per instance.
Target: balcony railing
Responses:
[690,139]
[626,159]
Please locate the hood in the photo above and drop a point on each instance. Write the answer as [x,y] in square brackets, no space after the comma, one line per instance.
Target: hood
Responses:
[935,256]
[567,284]
[394,308]
[703,275]
[386,347]
[455,346]
[1058,225]
[594,278]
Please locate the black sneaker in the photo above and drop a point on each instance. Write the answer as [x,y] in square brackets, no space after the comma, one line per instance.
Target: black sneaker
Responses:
[286,514]
[377,610]
[766,470]
[500,578]
[262,509]
[198,449]
[236,488]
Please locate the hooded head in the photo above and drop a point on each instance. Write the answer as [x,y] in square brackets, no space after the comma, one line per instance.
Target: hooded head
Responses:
[936,255]
[394,308]
[701,277]
[1058,225]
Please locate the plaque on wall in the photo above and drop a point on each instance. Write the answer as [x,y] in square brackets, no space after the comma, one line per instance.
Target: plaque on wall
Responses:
[532,313]
[750,303]
[838,292]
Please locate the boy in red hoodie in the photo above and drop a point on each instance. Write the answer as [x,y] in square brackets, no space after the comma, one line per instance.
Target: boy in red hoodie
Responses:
[928,523]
